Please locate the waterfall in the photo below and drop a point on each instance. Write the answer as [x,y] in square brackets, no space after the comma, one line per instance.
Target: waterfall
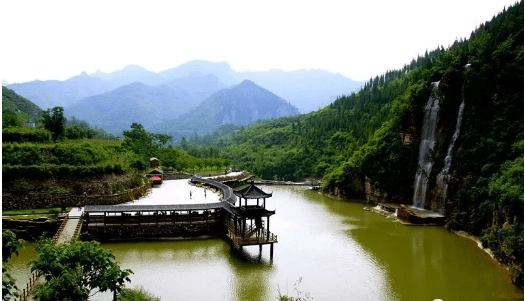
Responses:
[427,144]
[443,177]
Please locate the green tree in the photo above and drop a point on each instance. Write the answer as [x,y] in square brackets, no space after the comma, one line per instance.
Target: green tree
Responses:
[184,144]
[55,122]
[143,142]
[73,271]
[11,119]
[10,246]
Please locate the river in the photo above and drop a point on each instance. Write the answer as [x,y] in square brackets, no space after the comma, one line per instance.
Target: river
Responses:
[338,250]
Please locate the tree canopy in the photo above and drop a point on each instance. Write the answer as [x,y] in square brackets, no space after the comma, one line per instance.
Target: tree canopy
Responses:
[10,246]
[55,122]
[73,271]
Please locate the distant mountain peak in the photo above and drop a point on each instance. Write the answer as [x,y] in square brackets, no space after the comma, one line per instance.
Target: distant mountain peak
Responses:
[247,82]
[134,68]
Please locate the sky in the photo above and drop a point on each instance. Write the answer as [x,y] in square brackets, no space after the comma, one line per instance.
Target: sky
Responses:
[44,40]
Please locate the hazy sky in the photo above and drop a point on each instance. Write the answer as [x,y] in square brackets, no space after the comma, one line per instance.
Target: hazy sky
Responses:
[359,39]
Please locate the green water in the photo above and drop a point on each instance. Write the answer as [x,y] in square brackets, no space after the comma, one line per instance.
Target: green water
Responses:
[20,271]
[339,250]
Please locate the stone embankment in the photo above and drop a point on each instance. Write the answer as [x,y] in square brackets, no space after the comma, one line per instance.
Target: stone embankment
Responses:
[18,201]
[176,176]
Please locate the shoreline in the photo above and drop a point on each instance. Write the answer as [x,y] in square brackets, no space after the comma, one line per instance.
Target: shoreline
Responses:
[459,233]
[480,245]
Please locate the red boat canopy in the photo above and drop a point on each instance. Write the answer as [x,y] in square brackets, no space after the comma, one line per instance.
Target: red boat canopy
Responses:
[155,178]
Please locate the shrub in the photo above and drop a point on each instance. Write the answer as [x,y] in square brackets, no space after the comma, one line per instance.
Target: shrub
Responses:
[136,294]
[16,134]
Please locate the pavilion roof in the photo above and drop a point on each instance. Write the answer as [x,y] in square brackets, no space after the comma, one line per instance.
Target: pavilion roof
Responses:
[251,192]
[155,171]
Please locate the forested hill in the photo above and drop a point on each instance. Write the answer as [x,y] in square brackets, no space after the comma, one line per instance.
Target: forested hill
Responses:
[118,109]
[239,105]
[372,137]
[17,109]
[15,103]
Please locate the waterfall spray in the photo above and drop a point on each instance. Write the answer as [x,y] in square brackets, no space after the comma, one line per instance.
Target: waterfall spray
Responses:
[443,177]
[427,144]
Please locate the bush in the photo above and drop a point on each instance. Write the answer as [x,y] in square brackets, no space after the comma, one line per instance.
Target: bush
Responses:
[136,294]
[16,134]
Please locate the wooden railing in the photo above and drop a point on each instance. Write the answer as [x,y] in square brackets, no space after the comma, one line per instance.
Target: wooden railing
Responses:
[55,238]
[249,238]
[24,295]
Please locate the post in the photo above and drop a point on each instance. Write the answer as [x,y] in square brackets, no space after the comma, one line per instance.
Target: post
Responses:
[268,228]
[271,251]
[235,226]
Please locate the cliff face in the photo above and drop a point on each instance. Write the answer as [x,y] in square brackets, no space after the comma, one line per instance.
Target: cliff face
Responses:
[471,167]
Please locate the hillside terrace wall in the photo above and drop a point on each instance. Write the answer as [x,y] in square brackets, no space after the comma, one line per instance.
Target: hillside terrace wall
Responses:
[32,229]
[17,201]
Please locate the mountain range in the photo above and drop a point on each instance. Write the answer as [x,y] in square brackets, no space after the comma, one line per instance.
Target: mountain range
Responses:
[51,93]
[308,90]
[114,100]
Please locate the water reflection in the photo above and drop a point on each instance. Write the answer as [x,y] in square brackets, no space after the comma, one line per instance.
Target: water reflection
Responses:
[247,284]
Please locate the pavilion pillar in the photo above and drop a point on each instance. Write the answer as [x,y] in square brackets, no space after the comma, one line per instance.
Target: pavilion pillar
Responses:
[268,228]
[235,225]
[271,251]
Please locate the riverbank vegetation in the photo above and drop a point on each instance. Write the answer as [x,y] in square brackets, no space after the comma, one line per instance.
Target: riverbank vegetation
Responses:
[136,294]
[73,271]
[51,213]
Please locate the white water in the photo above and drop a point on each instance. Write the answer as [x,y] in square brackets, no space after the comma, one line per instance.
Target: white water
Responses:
[427,144]
[443,177]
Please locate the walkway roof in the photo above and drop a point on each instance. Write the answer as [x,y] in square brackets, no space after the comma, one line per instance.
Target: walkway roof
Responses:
[143,208]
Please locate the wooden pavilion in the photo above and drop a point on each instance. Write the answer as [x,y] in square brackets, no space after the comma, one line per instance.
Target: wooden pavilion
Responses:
[245,222]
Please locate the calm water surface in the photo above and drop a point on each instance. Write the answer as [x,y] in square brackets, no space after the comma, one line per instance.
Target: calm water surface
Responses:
[339,250]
